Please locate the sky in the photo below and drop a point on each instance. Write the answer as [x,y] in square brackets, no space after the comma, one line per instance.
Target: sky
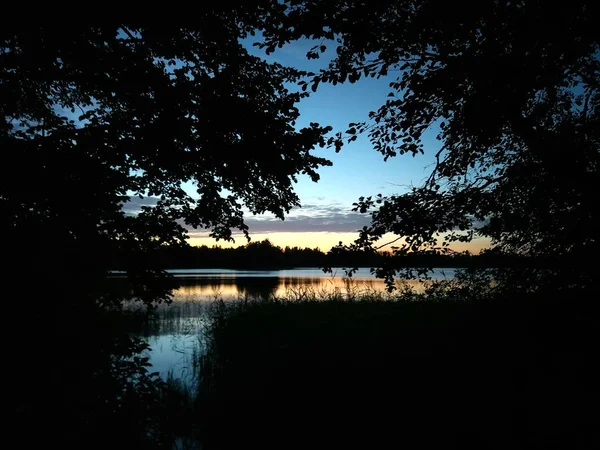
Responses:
[325,217]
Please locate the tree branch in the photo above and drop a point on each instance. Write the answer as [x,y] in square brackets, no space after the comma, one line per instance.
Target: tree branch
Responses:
[388,243]
[431,178]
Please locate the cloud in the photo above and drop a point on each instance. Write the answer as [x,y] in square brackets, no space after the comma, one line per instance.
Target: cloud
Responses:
[332,223]
[134,204]
[480,223]
[333,218]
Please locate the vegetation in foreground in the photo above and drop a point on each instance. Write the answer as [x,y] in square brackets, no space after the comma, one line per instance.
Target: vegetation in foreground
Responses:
[416,372]
[517,163]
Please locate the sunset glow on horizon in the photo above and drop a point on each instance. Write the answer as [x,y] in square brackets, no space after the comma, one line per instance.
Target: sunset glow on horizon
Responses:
[326,216]
[322,240]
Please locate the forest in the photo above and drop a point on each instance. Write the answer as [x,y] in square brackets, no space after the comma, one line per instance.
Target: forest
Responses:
[265,255]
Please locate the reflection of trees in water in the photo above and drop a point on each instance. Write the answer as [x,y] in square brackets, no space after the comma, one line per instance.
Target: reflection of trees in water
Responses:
[186,314]
[293,282]
[215,287]
[331,283]
[207,288]
[257,287]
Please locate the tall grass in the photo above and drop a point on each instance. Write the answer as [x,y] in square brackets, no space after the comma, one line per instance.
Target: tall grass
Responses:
[448,367]
[179,418]
[438,369]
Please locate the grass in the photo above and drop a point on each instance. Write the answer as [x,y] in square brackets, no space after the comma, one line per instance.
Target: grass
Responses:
[416,371]
[179,402]
[181,317]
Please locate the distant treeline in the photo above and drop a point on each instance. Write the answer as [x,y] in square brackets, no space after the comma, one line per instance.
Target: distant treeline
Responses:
[264,255]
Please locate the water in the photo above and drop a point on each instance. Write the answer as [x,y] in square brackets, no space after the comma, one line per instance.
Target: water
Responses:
[208,284]
[178,341]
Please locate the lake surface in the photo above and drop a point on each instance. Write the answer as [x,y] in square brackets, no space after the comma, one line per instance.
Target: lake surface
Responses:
[208,284]
[177,339]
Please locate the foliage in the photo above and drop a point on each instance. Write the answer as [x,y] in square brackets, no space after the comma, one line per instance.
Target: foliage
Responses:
[513,89]
[438,369]
[97,114]
[91,116]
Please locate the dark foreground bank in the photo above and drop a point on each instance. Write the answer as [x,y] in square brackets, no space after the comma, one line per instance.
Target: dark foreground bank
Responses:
[519,373]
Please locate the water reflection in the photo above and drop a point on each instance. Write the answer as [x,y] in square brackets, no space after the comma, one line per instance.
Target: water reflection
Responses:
[210,284]
[176,335]
[215,287]
[176,356]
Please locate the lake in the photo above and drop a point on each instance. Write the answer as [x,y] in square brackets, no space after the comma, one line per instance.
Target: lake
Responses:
[177,339]
[208,284]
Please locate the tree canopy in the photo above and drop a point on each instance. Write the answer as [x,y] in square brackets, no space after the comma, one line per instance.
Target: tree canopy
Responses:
[513,89]
[91,115]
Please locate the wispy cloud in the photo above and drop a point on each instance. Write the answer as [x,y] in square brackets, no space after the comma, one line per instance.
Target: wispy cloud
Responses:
[134,204]
[333,218]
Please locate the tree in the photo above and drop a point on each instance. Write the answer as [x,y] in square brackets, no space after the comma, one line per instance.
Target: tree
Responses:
[91,116]
[95,114]
[514,90]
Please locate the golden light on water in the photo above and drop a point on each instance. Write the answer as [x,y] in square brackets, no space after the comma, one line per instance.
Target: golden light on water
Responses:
[211,288]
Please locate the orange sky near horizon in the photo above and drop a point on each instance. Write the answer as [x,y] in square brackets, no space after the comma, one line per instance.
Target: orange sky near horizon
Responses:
[323,240]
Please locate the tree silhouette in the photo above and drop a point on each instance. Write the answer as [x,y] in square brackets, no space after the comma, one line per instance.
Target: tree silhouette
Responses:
[513,90]
[95,114]
[92,116]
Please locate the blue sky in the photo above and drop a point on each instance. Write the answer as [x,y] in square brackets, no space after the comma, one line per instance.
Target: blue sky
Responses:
[326,217]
